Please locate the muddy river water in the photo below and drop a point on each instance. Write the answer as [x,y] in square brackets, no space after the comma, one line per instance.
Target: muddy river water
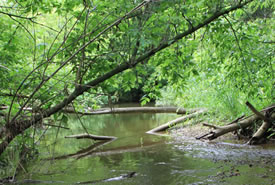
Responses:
[156,160]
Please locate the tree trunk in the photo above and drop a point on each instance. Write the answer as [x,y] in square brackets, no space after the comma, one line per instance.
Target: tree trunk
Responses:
[175,122]
[219,131]
[133,110]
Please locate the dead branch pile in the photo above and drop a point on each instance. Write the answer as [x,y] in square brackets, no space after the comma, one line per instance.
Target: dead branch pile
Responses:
[265,116]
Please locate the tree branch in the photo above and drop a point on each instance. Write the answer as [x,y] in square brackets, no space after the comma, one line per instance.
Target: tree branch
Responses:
[17,16]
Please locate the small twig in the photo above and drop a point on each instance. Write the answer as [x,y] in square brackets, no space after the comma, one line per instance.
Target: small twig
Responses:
[236,120]
[203,136]
[239,46]
[56,126]
[24,27]
[190,23]
[78,117]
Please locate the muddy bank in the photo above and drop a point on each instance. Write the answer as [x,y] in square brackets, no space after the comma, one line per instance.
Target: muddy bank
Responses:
[190,132]
[235,158]
[226,148]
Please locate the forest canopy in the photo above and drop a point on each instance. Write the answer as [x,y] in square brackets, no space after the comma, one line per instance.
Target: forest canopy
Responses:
[71,53]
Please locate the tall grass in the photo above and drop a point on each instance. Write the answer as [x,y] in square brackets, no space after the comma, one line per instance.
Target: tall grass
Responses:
[222,99]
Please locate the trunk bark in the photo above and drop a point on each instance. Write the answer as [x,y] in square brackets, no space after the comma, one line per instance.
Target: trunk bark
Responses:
[134,110]
[235,126]
[175,122]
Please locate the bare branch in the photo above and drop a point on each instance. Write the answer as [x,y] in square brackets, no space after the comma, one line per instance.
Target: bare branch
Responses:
[17,16]
[241,51]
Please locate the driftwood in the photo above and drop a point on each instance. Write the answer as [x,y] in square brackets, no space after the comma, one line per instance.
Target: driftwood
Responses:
[133,110]
[229,128]
[174,122]
[259,134]
[267,122]
[90,136]
[242,123]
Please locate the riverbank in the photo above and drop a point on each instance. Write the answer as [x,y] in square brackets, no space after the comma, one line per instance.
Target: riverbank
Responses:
[190,132]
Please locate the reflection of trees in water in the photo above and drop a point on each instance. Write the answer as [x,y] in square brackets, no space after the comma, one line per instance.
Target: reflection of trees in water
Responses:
[121,124]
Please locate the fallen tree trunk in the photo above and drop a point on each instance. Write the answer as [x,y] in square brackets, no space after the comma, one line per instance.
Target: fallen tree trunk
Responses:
[259,134]
[267,122]
[229,128]
[133,110]
[175,122]
[243,123]
[89,111]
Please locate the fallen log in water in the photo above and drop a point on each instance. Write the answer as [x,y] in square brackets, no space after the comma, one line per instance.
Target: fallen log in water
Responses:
[134,110]
[175,122]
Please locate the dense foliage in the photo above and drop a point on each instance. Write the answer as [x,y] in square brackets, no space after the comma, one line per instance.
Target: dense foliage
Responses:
[59,53]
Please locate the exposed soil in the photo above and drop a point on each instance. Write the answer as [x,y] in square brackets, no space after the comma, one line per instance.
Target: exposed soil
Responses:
[193,131]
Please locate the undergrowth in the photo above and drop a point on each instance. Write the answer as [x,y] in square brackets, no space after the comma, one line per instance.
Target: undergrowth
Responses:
[223,101]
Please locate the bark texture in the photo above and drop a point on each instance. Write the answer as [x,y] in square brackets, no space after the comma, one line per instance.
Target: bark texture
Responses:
[134,110]
[175,122]
[243,123]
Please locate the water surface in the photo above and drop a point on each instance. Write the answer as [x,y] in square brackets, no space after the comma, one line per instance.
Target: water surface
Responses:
[155,159]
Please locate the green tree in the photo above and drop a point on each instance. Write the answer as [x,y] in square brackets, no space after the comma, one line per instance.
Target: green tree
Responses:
[63,50]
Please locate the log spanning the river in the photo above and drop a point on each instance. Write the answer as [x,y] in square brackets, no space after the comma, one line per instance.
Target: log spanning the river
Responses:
[133,110]
[174,122]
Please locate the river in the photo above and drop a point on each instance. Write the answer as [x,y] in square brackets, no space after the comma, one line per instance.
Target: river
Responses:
[156,160]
